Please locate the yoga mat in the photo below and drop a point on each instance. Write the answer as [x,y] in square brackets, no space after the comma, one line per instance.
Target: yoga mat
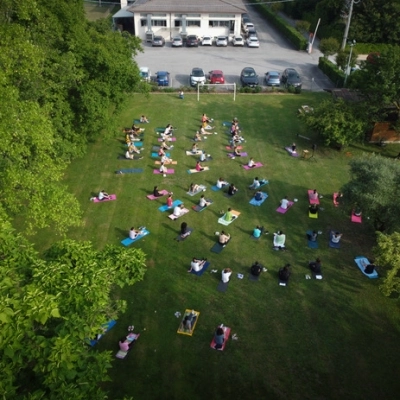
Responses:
[254,278]
[355,218]
[201,189]
[174,204]
[128,241]
[283,210]
[166,163]
[231,148]
[200,209]
[190,153]
[111,198]
[170,139]
[155,155]
[169,172]
[135,157]
[194,171]
[131,338]
[183,331]
[235,155]
[254,202]
[201,272]
[222,287]
[217,248]
[227,332]
[257,165]
[226,223]
[157,148]
[358,260]
[292,153]
[174,217]
[159,129]
[136,144]
[129,171]
[311,244]
[152,197]
[312,201]
[313,216]
[215,188]
[331,244]
[181,239]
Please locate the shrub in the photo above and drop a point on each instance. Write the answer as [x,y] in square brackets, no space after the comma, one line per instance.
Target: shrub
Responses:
[329,46]
[332,71]
[302,26]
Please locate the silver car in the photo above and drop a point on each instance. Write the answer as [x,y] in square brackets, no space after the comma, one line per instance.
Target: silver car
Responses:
[273,78]
[222,41]
[177,41]
[253,42]
[207,41]
[238,41]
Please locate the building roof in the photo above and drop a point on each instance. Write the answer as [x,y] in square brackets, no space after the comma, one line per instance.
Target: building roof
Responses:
[187,6]
[123,13]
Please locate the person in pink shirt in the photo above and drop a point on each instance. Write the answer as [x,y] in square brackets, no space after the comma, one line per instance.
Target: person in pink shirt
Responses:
[124,346]
[198,166]
[169,200]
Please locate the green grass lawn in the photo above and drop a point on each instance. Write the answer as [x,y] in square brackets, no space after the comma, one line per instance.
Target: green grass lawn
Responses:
[329,339]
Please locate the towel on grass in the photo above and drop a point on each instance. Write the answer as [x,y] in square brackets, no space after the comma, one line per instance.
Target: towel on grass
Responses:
[226,223]
[312,201]
[130,338]
[191,153]
[359,261]
[313,216]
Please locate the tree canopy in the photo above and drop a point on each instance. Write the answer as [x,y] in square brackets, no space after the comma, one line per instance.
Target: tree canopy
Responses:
[50,307]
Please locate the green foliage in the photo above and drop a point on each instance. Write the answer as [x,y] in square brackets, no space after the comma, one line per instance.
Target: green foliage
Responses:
[290,33]
[48,310]
[342,58]
[374,186]
[387,252]
[329,46]
[366,48]
[303,26]
[331,71]
[337,122]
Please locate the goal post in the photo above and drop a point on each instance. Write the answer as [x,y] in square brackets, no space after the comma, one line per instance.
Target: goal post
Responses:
[227,87]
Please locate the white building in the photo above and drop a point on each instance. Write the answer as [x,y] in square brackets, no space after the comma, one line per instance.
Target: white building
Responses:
[169,18]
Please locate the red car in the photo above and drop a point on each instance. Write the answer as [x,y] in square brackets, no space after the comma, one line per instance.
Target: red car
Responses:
[217,76]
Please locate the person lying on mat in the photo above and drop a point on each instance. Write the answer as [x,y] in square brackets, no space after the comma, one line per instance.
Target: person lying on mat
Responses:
[251,163]
[258,196]
[313,195]
[178,210]
[194,188]
[257,231]
[284,203]
[156,193]
[203,202]
[315,266]
[197,137]
[144,120]
[197,265]
[219,337]
[188,321]
[226,274]
[224,238]
[199,167]
[185,232]
[103,195]
[312,237]
[163,168]
[229,216]
[313,208]
[221,183]
[232,189]
[335,237]
[123,345]
[256,269]
[368,268]
[284,273]
[134,233]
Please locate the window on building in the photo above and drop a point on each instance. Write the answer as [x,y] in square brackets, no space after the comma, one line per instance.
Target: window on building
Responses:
[177,23]
[158,22]
[215,24]
[193,23]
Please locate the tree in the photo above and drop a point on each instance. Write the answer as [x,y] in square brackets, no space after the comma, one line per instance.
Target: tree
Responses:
[387,252]
[374,186]
[337,122]
[50,307]
[329,46]
[342,58]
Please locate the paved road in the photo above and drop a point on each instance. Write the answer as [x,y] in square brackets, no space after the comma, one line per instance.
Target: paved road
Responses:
[274,54]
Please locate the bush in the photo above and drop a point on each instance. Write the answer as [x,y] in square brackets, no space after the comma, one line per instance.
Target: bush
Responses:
[331,71]
[329,46]
[302,26]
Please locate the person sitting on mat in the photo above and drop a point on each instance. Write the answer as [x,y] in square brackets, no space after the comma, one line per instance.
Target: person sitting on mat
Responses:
[236,139]
[232,189]
[134,149]
[229,216]
[203,202]
[156,193]
[312,237]
[161,152]
[219,337]
[194,188]
[258,196]
[221,183]
[188,321]
[185,232]
[166,160]
[256,269]
[313,208]
[197,265]
[169,200]
[223,238]
[256,183]
[236,152]
[199,167]
[103,195]
[203,156]
[284,203]
[129,156]
[204,118]
[251,163]
[144,120]
[178,210]
[368,268]
[123,345]
[315,266]
[313,195]
[335,237]
[164,146]
[226,274]
[163,169]
[168,130]
[357,212]
[134,233]
[197,137]
[284,273]
[257,231]
[279,241]
[194,148]
[293,148]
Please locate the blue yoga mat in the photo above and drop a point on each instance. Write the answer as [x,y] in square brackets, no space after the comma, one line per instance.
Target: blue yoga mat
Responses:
[358,260]
[201,272]
[254,202]
[311,244]
[128,241]
[129,171]
[155,155]
[174,204]
[137,144]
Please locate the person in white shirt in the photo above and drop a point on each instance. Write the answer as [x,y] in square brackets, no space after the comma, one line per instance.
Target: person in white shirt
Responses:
[178,210]
[335,237]
[251,163]
[221,183]
[166,160]
[128,155]
[163,168]
[197,265]
[256,184]
[284,203]
[134,233]
[226,274]
[203,202]
[103,195]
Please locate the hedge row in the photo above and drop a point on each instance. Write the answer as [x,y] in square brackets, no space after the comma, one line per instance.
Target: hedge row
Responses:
[331,71]
[290,33]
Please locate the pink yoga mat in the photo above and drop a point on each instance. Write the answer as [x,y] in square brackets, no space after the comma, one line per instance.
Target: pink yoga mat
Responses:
[169,171]
[231,148]
[283,210]
[355,218]
[111,198]
[292,153]
[258,165]
[152,197]
[233,155]
[312,201]
[171,139]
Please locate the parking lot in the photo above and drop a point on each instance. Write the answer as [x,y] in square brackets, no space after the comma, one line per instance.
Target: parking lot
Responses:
[274,54]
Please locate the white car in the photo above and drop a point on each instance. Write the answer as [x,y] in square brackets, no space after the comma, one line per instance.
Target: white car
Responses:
[177,42]
[247,26]
[145,74]
[253,42]
[197,77]
[207,41]
[222,41]
[238,41]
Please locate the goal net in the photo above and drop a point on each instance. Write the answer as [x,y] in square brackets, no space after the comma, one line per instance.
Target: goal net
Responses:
[228,88]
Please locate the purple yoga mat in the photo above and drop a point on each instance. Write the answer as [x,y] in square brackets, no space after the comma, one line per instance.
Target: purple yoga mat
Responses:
[169,171]
[152,197]
[293,154]
[283,210]
[171,139]
[111,198]
[233,155]
[257,165]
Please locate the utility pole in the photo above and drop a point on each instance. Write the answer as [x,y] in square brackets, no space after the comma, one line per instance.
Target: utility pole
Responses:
[346,30]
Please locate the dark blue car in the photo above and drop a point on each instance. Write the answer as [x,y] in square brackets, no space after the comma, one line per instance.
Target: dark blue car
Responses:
[162,78]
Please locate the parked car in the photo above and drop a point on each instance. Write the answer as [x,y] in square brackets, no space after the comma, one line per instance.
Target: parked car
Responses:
[145,74]
[158,41]
[192,41]
[217,76]
[249,77]
[245,18]
[197,77]
[222,41]
[251,33]
[253,42]
[272,78]
[177,41]
[162,78]
[291,78]
[238,41]
[247,26]
[207,41]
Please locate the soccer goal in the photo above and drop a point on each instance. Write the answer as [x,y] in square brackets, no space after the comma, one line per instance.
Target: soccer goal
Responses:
[218,88]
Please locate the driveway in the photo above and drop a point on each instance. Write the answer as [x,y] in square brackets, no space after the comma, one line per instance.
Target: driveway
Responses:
[274,54]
